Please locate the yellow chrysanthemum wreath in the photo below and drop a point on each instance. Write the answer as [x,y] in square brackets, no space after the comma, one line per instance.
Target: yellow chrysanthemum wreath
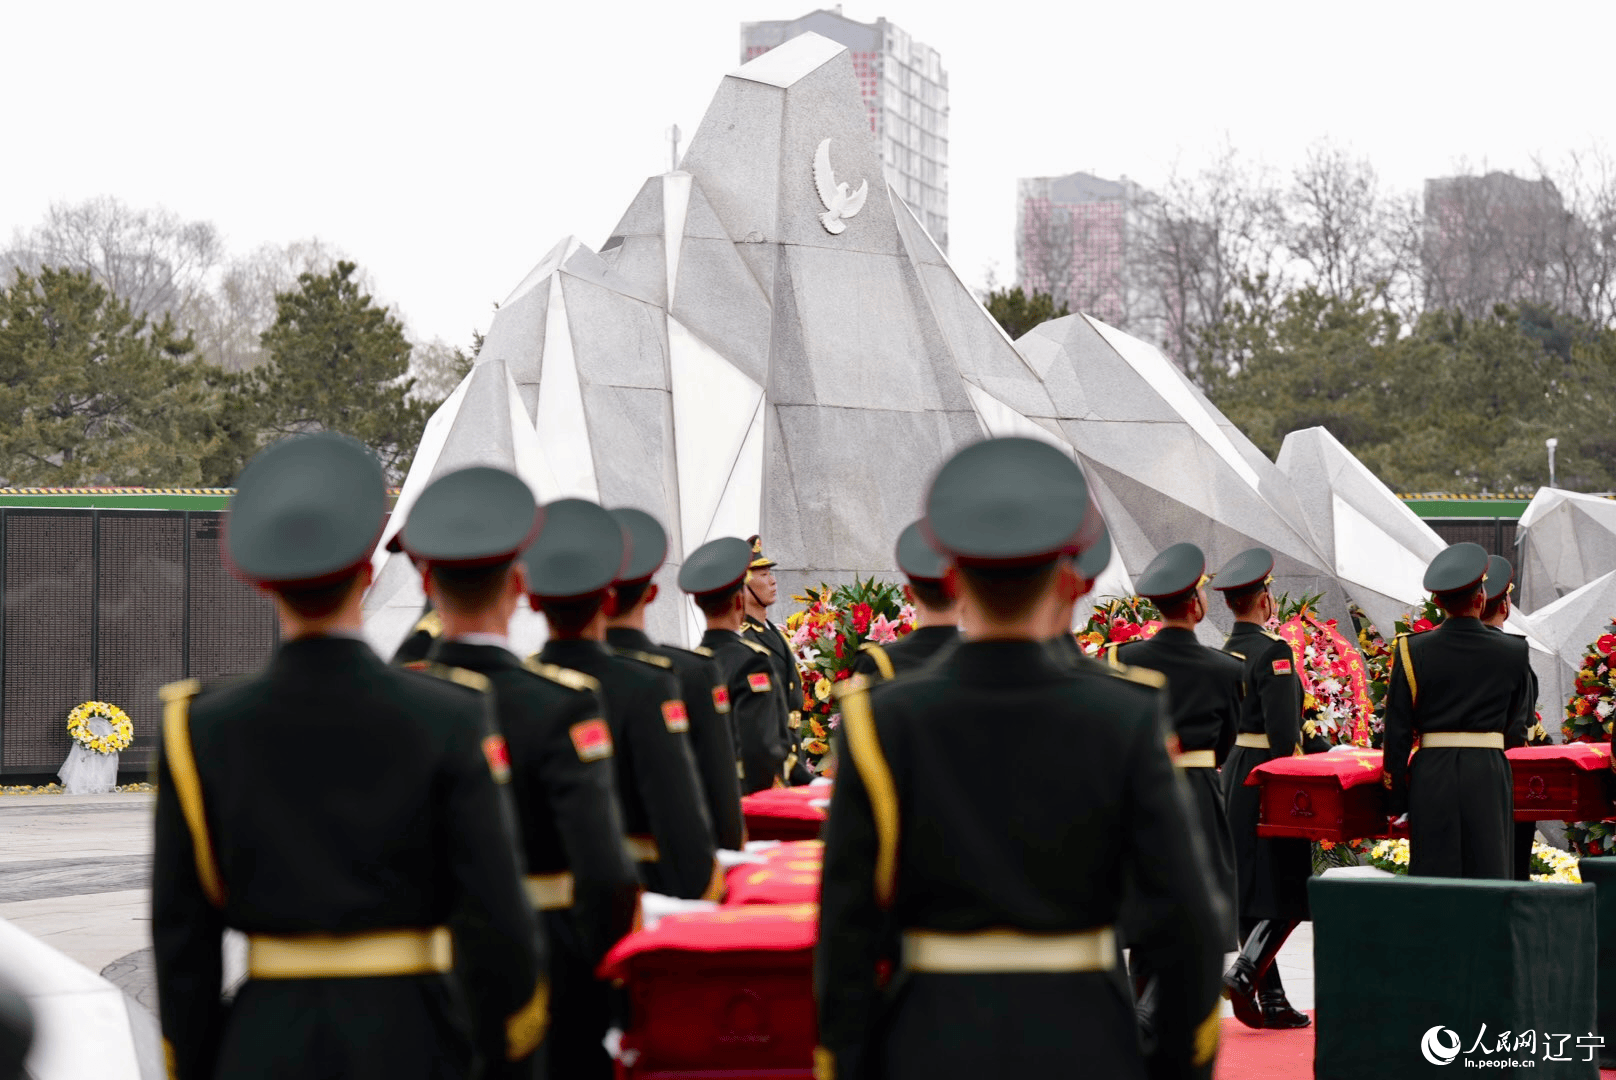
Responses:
[119,738]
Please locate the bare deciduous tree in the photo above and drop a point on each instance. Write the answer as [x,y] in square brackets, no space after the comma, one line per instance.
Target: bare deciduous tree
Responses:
[1205,242]
[152,259]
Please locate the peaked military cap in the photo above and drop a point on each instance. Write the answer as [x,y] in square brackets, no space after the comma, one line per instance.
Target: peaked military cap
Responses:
[1500,577]
[917,559]
[760,561]
[1010,502]
[581,550]
[472,517]
[1173,572]
[716,566]
[1459,567]
[647,542]
[1092,563]
[1251,569]
[307,512]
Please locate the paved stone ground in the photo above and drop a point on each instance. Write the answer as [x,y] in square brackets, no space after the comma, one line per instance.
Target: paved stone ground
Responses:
[75,872]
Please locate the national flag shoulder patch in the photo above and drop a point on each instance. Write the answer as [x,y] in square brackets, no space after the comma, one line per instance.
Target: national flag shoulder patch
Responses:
[759,683]
[721,699]
[1282,667]
[675,717]
[592,739]
[499,758]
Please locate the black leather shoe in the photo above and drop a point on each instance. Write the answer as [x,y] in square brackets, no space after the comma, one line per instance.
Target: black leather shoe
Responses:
[1240,983]
[1277,1013]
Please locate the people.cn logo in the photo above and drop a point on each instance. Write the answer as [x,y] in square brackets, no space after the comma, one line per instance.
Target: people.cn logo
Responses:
[1436,1047]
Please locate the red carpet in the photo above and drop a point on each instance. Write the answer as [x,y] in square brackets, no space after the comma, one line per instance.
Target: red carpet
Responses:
[1246,1054]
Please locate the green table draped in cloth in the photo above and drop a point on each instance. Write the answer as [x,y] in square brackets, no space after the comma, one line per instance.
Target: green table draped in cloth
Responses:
[1414,975]
[1601,873]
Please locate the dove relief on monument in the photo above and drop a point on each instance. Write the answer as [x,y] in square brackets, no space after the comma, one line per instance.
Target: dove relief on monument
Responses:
[840,204]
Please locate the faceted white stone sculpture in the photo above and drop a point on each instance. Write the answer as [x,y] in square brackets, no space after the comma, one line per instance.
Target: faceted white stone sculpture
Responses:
[1565,540]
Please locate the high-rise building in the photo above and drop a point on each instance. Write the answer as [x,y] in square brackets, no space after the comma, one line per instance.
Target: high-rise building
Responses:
[1495,239]
[906,90]
[1072,238]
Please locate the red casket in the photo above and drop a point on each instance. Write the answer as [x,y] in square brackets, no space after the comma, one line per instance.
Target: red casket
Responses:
[1562,783]
[1338,796]
[1335,796]
[789,874]
[787,813]
[720,995]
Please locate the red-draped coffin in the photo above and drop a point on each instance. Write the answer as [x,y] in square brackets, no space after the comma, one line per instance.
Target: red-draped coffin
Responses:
[789,813]
[1338,796]
[789,874]
[1335,796]
[720,995]
[1562,783]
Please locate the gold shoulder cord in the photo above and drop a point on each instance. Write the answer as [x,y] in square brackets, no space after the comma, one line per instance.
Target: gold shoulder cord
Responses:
[1206,1037]
[883,662]
[187,784]
[1408,670]
[864,745]
[525,1028]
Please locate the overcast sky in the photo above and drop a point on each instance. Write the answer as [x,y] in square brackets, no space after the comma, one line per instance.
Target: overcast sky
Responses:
[447,147]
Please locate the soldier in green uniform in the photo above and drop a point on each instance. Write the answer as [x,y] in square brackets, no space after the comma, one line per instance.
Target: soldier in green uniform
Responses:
[426,630]
[1500,584]
[760,594]
[714,575]
[465,533]
[340,813]
[1466,691]
[1272,874]
[970,849]
[571,567]
[936,613]
[705,696]
[1204,691]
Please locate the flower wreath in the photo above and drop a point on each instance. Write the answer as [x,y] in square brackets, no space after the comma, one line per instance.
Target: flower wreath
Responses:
[119,738]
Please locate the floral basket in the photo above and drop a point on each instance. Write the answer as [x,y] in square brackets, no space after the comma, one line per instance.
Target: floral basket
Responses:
[1116,619]
[826,635]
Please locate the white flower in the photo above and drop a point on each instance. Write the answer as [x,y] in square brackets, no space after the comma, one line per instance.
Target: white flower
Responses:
[1604,708]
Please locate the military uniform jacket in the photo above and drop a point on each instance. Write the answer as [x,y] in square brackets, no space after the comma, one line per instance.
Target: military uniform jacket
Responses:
[706,699]
[333,794]
[909,653]
[661,797]
[1272,873]
[757,706]
[1205,688]
[1465,677]
[771,637]
[562,779]
[960,807]
[415,647]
